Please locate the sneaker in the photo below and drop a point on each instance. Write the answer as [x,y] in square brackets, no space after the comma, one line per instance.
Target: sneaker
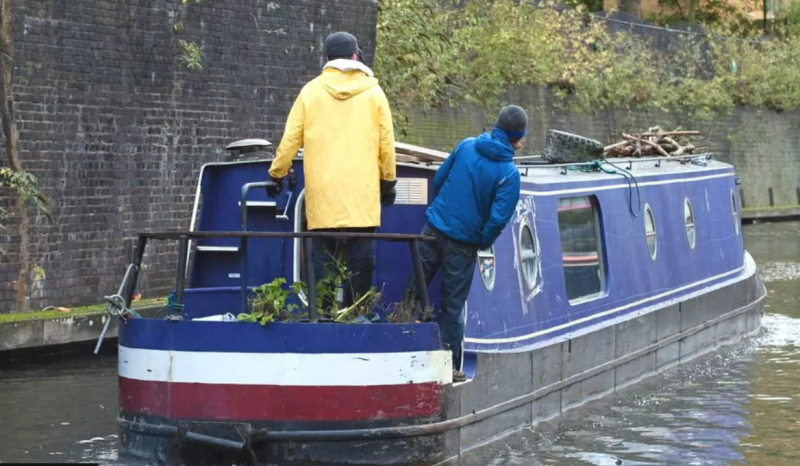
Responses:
[459,376]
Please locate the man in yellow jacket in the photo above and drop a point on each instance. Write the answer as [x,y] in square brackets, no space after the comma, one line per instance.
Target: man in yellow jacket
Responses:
[343,122]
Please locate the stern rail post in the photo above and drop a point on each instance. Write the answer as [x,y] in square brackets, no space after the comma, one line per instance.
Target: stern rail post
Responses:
[180,278]
[311,280]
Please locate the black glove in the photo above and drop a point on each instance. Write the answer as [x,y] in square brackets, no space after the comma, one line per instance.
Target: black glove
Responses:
[273,190]
[388,193]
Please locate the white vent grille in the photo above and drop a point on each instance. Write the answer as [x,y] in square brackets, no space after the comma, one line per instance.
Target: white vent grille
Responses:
[412,191]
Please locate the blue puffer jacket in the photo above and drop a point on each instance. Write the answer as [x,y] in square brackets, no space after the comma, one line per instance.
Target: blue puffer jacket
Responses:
[476,189]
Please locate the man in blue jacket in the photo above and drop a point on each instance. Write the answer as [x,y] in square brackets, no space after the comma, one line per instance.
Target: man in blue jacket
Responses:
[476,192]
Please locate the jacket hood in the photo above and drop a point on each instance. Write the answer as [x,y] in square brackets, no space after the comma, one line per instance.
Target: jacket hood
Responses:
[347,78]
[495,146]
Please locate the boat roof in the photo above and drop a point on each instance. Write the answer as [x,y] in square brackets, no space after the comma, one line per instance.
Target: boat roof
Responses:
[540,173]
[617,168]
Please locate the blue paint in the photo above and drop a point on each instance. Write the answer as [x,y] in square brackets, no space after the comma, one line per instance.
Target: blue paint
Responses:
[239,337]
[513,313]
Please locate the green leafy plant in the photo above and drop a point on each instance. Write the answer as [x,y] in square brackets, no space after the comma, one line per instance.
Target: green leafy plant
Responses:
[269,303]
[336,278]
[191,55]
[26,187]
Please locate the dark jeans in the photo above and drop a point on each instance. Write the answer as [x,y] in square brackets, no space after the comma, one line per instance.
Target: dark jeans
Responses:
[456,260]
[360,258]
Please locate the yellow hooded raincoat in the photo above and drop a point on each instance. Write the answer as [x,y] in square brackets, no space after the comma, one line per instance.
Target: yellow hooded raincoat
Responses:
[343,122]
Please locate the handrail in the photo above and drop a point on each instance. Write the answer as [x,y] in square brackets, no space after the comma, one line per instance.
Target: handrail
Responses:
[184,236]
[243,240]
[176,234]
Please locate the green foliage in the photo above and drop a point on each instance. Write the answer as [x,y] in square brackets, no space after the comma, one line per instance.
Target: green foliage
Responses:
[330,289]
[432,53]
[25,186]
[734,15]
[191,55]
[788,21]
[269,303]
[589,5]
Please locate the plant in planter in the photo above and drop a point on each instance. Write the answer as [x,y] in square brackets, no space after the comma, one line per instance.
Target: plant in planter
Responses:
[361,309]
[269,303]
[407,311]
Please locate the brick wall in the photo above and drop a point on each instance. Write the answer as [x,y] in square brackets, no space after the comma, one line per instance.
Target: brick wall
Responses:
[764,146]
[116,129]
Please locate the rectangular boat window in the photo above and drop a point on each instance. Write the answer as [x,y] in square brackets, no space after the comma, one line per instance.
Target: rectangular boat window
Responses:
[580,247]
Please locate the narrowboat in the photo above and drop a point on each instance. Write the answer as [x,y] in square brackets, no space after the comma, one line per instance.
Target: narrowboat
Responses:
[609,272]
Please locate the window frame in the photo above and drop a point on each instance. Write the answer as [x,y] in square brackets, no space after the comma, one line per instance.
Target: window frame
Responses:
[529,283]
[603,292]
[487,253]
[649,211]
[735,213]
[297,260]
[693,241]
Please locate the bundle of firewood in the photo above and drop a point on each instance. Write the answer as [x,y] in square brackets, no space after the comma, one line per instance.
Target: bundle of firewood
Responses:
[655,142]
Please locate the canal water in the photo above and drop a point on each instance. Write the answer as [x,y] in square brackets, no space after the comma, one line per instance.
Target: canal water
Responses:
[737,406]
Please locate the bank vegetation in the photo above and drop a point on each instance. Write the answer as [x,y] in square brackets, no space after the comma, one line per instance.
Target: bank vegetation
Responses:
[431,53]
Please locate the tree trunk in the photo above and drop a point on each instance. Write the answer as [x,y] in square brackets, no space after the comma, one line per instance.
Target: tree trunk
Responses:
[632,7]
[7,19]
[693,4]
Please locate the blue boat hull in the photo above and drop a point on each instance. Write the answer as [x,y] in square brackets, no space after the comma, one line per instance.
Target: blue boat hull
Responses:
[586,291]
[510,391]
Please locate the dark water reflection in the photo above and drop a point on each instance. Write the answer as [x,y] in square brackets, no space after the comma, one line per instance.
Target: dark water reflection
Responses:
[736,406]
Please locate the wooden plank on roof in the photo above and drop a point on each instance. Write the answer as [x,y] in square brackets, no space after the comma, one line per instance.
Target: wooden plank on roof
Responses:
[411,153]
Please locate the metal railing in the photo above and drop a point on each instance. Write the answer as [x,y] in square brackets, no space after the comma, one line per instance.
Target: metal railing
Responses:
[183,238]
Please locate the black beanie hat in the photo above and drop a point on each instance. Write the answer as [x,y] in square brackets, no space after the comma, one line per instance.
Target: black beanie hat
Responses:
[513,121]
[341,45]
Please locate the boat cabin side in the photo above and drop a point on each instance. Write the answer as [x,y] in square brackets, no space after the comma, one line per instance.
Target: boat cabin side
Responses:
[580,248]
[586,249]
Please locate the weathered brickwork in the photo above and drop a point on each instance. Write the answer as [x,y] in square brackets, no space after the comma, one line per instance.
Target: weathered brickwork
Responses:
[764,146]
[116,128]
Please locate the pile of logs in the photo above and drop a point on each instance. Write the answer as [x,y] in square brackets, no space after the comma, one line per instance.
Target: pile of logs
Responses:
[655,142]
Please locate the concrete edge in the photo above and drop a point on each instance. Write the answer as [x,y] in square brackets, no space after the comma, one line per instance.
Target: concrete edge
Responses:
[58,332]
[770,214]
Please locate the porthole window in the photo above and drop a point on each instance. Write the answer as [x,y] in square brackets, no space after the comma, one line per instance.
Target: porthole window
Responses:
[688,220]
[486,267]
[528,255]
[650,231]
[735,213]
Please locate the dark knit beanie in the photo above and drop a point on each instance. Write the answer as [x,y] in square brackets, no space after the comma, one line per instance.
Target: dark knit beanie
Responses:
[341,45]
[513,121]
